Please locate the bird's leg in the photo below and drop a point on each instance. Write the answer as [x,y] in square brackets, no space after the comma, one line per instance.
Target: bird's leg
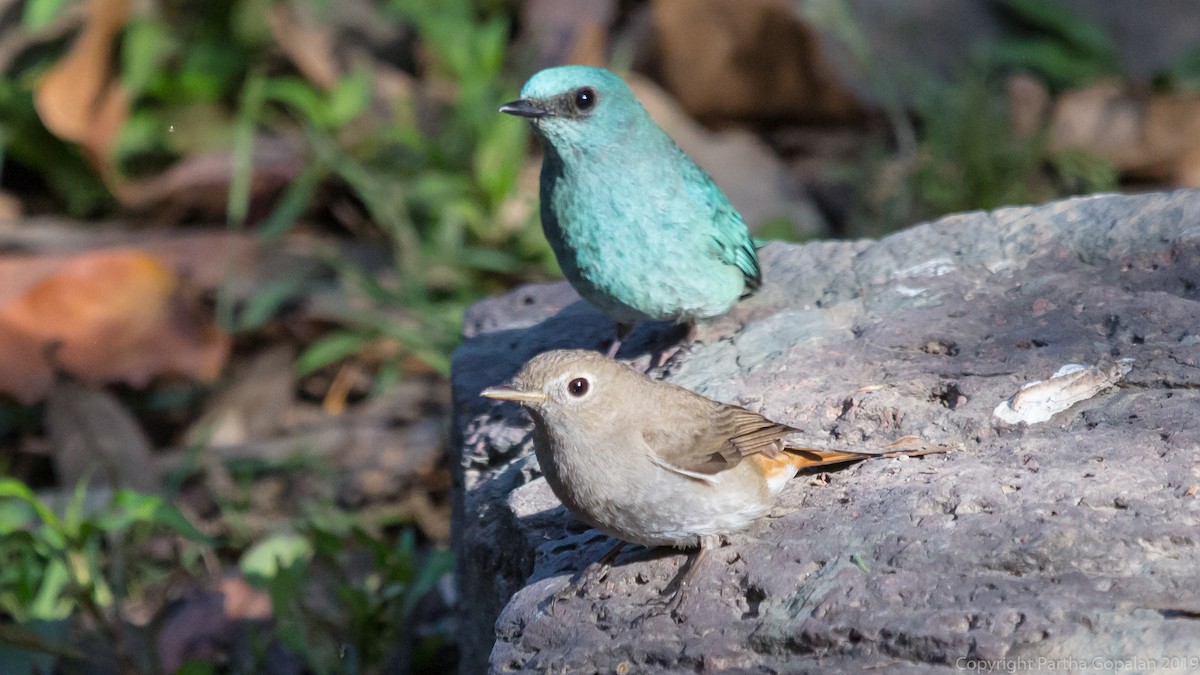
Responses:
[593,573]
[599,569]
[666,359]
[622,330]
[684,580]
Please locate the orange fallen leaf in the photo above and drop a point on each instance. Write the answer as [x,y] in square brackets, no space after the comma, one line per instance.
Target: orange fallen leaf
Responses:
[243,602]
[80,99]
[207,258]
[115,315]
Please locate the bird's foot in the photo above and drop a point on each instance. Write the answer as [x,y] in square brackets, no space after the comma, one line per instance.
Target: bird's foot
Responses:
[613,348]
[666,360]
[622,331]
[594,573]
[673,603]
[675,594]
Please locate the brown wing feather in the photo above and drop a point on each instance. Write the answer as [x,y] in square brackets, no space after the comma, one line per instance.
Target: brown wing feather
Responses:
[718,441]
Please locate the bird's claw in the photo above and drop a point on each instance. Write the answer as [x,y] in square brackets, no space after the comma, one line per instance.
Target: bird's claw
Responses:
[591,575]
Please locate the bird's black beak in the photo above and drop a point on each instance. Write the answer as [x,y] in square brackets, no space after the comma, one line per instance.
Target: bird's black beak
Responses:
[525,108]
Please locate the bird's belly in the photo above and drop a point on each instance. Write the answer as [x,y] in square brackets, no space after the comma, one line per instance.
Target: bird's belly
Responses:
[661,508]
[633,273]
[630,288]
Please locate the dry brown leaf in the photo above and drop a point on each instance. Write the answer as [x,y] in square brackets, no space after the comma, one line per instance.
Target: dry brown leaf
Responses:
[80,99]
[200,184]
[119,314]
[10,207]
[754,59]
[208,259]
[252,406]
[1028,102]
[1143,134]
[308,44]
[95,437]
[1040,401]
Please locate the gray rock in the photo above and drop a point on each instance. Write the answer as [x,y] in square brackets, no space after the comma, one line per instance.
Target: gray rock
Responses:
[1074,539]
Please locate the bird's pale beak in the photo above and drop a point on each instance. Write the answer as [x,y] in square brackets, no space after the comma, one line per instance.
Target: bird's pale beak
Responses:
[510,393]
[525,108]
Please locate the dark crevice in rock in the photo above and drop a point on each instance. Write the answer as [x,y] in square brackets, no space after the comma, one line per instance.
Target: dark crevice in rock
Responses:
[754,597]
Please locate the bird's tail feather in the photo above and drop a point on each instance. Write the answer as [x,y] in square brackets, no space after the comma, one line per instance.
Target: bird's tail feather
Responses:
[909,446]
[807,458]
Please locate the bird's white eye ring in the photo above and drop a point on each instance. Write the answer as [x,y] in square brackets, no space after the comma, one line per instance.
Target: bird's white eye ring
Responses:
[578,387]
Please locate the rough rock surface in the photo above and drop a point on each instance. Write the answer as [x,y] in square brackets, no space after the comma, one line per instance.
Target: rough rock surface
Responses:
[1073,539]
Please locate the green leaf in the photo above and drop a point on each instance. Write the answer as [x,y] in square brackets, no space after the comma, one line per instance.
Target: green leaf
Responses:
[301,96]
[129,507]
[51,602]
[489,259]
[253,97]
[15,516]
[146,43]
[268,300]
[385,379]
[436,565]
[490,43]
[88,562]
[349,98]
[53,537]
[265,560]
[386,201]
[250,21]
[1183,73]
[293,203]
[330,349]
[499,158]
[1053,61]
[1066,50]
[73,515]
[15,489]
[144,132]
[39,13]
[1087,37]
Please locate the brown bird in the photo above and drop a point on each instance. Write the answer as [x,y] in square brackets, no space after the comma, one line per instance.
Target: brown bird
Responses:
[650,462]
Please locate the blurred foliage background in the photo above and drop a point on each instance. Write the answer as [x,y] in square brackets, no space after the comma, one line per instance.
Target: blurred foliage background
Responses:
[239,237]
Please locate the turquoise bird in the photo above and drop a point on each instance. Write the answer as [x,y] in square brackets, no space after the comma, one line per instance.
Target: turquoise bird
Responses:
[639,230]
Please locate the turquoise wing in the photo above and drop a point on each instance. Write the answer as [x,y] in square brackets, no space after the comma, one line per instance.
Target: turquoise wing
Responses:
[732,242]
[735,246]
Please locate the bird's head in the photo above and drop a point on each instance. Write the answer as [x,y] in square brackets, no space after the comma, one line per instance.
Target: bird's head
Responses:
[578,106]
[569,387]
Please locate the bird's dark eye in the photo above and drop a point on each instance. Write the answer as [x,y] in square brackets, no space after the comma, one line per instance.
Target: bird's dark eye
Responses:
[585,99]
[578,386]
